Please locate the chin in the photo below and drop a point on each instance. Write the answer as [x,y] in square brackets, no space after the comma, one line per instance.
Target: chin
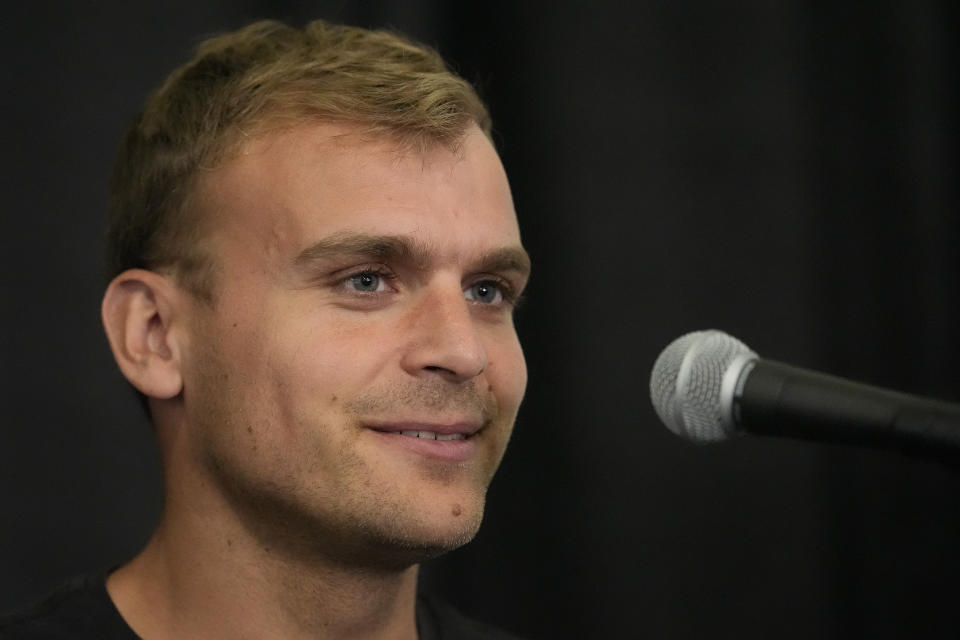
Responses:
[403,546]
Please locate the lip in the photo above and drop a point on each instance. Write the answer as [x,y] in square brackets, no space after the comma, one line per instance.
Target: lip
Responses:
[463,427]
[459,450]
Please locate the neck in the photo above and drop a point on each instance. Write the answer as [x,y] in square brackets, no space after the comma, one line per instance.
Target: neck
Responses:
[206,574]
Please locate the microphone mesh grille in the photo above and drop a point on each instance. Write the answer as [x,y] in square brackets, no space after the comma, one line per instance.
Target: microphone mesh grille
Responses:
[686,383]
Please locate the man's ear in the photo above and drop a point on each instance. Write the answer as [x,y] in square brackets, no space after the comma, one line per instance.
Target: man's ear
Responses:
[138,312]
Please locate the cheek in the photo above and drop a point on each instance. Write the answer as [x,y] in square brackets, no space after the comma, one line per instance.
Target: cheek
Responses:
[507,371]
[333,356]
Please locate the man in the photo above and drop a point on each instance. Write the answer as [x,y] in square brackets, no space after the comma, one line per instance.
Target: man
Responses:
[314,260]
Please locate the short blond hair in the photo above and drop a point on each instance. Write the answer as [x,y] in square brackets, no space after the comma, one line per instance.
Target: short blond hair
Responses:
[268,76]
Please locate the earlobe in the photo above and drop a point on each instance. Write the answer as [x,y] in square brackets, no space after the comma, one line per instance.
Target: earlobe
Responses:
[138,316]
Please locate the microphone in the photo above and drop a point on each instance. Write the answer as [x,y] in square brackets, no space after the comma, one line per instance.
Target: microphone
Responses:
[707,386]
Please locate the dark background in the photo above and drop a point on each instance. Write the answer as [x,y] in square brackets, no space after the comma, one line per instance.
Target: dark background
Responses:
[785,171]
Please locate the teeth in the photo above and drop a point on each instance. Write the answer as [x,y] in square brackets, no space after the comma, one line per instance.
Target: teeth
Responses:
[426,435]
[430,435]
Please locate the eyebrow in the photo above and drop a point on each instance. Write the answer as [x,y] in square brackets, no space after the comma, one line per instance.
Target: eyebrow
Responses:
[383,248]
[391,248]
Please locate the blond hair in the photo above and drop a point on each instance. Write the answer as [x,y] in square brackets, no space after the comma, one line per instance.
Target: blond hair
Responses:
[263,77]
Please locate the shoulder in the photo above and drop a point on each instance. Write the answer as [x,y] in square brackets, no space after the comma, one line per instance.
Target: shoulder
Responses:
[78,609]
[438,620]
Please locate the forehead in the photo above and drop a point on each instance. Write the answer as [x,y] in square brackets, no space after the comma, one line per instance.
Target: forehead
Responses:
[285,191]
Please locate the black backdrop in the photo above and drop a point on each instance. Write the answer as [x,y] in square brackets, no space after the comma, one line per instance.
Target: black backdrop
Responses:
[784,171]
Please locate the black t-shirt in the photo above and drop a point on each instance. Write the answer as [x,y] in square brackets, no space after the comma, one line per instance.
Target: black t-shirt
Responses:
[81,609]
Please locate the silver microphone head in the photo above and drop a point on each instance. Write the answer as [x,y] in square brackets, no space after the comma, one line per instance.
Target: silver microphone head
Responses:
[693,383]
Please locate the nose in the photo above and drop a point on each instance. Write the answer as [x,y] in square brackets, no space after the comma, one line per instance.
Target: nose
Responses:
[445,340]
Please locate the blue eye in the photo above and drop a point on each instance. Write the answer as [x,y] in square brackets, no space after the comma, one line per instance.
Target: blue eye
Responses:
[487,292]
[366,281]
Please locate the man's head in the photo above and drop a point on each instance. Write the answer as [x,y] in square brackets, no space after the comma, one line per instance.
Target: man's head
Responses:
[317,296]
[265,78]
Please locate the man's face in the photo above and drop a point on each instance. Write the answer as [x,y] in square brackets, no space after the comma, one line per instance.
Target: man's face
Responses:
[362,309]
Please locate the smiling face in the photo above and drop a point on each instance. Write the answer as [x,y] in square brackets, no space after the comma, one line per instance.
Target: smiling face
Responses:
[354,383]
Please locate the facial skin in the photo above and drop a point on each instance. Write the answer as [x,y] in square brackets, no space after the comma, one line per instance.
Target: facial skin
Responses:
[359,291]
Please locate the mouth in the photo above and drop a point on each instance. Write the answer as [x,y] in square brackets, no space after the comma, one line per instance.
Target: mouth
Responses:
[454,442]
[454,430]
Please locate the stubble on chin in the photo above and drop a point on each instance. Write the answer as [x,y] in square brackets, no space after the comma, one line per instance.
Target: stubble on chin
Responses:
[394,524]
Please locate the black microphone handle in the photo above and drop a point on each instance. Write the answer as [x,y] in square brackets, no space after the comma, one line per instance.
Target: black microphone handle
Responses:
[777,399]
